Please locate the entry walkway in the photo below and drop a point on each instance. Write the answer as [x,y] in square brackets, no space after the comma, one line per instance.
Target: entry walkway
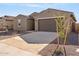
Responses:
[9,50]
[19,43]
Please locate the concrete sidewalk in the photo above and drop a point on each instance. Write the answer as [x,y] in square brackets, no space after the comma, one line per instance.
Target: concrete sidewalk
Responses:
[8,50]
[19,43]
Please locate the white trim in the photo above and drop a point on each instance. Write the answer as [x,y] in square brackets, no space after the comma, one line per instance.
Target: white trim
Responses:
[49,17]
[36,25]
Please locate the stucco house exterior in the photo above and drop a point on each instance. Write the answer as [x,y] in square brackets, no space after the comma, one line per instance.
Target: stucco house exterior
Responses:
[42,21]
[45,20]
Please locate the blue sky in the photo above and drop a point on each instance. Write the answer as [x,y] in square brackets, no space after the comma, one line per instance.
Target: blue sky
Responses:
[14,9]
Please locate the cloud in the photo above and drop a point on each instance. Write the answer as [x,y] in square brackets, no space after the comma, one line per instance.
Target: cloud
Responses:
[27,4]
[33,5]
[23,4]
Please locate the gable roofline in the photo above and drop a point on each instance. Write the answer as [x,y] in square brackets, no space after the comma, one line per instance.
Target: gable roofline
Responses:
[56,10]
[21,16]
[34,14]
[71,13]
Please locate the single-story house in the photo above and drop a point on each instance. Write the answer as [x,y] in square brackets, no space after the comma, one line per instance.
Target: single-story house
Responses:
[45,20]
[42,21]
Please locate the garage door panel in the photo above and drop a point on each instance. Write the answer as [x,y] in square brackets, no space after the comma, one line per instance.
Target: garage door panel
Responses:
[47,25]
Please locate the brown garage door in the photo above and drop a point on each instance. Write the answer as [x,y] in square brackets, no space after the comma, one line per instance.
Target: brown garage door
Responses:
[47,25]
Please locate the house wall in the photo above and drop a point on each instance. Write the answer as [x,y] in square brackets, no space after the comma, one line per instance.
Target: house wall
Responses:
[30,24]
[77,27]
[22,26]
[10,24]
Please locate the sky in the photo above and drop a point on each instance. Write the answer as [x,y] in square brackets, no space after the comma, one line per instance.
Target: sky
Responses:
[14,9]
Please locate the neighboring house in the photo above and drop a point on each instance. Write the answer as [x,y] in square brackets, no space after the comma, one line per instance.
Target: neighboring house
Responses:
[23,23]
[2,24]
[44,21]
[9,22]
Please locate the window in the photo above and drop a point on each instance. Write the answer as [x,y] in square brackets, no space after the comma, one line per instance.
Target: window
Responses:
[0,17]
[19,22]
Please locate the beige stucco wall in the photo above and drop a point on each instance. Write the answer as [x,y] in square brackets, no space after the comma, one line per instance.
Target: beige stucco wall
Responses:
[25,24]
[22,27]
[30,24]
[10,24]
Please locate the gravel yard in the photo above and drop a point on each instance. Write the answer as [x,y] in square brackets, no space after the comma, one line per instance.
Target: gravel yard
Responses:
[9,34]
[72,39]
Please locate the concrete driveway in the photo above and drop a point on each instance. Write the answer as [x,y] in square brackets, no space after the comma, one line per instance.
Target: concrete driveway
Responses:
[39,37]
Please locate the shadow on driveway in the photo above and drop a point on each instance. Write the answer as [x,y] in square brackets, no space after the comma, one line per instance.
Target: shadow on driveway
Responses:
[73,38]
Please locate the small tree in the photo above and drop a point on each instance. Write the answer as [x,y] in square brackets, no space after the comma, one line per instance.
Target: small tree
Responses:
[62,28]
